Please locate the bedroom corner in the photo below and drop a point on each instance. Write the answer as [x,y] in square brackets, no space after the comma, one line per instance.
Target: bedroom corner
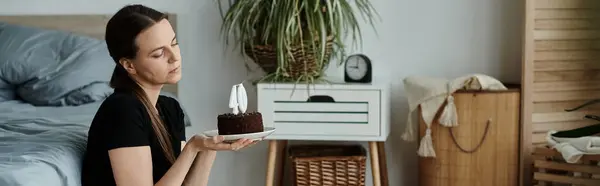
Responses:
[431,38]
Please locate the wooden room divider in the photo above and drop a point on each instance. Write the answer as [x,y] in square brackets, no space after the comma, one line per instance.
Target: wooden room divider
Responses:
[560,70]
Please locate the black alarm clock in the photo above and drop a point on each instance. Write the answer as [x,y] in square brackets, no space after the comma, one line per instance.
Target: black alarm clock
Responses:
[358,69]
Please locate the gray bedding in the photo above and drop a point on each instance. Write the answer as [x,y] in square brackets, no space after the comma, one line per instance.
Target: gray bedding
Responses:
[42,145]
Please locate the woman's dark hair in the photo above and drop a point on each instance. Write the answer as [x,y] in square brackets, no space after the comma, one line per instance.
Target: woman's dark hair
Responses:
[121,33]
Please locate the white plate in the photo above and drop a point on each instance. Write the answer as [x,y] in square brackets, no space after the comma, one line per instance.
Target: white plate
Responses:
[230,138]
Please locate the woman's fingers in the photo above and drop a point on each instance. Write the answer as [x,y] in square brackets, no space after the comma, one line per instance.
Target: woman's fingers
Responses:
[221,146]
[224,146]
[228,146]
[241,143]
[218,139]
[216,143]
[248,142]
[253,143]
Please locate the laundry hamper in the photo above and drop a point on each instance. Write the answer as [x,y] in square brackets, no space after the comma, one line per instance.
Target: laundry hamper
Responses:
[328,165]
[483,150]
[550,169]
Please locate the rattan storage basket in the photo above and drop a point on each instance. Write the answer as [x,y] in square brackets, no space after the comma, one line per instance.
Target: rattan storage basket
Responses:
[328,165]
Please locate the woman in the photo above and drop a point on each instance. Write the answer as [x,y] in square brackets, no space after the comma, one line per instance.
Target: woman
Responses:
[138,137]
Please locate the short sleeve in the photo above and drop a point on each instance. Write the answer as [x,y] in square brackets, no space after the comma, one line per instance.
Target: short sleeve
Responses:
[125,124]
[181,117]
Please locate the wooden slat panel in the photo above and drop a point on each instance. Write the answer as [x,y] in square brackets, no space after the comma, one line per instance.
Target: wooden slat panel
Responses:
[566,65]
[567,167]
[567,55]
[565,34]
[546,107]
[566,13]
[527,79]
[565,179]
[565,96]
[565,24]
[595,44]
[559,126]
[562,116]
[576,75]
[89,25]
[544,152]
[544,45]
[561,69]
[565,86]
[539,138]
[566,4]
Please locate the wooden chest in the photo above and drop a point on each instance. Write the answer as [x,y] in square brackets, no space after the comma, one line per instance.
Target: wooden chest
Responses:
[476,152]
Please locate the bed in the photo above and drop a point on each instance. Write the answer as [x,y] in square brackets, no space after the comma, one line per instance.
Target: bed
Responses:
[54,73]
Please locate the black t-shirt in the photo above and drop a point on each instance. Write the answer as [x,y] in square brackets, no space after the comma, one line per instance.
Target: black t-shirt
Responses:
[122,121]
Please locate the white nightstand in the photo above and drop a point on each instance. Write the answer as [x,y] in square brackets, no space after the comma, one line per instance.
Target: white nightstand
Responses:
[326,112]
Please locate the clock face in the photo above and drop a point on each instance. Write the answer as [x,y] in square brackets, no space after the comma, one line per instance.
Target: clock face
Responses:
[356,67]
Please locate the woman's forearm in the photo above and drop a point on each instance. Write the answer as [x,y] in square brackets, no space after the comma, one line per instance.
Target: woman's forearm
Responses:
[200,171]
[178,171]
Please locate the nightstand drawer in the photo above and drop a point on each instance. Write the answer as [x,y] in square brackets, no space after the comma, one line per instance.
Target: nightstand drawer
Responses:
[321,111]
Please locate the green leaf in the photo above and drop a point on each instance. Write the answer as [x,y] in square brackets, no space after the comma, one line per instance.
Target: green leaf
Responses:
[303,26]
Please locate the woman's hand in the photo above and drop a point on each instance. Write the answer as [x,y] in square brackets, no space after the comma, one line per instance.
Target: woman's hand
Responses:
[200,143]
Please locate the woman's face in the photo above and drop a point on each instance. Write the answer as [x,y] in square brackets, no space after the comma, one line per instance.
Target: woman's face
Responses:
[158,60]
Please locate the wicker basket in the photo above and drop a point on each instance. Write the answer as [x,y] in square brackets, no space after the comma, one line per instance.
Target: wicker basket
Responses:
[551,169]
[302,58]
[468,154]
[328,165]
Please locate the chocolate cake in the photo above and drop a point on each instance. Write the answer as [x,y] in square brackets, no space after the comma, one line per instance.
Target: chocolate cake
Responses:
[230,123]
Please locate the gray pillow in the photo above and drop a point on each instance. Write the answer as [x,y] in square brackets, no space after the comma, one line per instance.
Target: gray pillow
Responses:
[7,91]
[88,94]
[46,66]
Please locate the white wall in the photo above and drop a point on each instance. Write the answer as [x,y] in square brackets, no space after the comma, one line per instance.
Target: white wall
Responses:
[436,37]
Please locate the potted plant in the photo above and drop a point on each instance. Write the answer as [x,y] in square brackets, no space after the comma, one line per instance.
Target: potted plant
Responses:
[293,40]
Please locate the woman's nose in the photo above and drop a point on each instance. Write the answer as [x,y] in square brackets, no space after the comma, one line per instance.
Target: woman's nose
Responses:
[175,56]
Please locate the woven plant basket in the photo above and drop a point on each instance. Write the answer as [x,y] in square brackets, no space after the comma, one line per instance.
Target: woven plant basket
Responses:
[328,165]
[265,56]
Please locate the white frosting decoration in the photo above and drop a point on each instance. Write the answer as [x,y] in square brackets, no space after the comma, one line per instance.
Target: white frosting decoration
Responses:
[242,98]
[238,99]
[233,100]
